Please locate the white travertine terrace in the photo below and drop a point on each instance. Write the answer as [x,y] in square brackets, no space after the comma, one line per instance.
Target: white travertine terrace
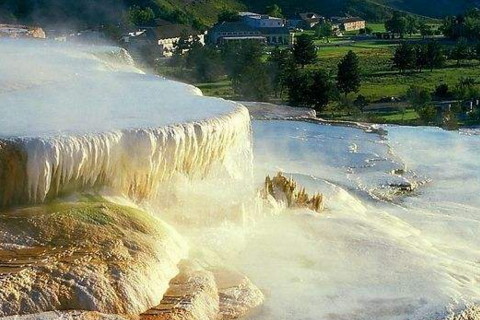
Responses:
[79,117]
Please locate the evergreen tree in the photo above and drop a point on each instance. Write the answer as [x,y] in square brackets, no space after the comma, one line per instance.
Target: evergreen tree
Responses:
[304,50]
[320,90]
[299,84]
[348,76]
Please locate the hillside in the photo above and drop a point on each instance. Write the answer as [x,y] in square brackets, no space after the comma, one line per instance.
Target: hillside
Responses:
[201,13]
[90,12]
[372,9]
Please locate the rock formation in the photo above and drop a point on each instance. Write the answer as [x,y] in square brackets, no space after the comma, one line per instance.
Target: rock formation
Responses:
[87,255]
[285,190]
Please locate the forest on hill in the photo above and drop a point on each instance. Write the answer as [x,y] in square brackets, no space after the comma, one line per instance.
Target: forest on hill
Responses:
[203,13]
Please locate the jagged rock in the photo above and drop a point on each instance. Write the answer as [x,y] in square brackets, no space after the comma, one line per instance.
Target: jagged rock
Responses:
[192,295]
[68,315]
[285,190]
[87,255]
[470,313]
[238,295]
[198,294]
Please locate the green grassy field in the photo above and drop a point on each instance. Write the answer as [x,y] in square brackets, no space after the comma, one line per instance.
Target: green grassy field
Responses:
[379,79]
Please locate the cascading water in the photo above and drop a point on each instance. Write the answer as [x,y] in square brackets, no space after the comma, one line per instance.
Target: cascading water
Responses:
[100,128]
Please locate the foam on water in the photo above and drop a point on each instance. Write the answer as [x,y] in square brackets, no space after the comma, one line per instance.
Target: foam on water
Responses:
[364,258]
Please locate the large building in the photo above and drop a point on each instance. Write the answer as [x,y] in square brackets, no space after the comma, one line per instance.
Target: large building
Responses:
[252,26]
[310,19]
[20,31]
[163,37]
[349,23]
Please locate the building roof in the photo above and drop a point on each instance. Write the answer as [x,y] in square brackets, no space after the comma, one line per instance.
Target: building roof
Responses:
[245,38]
[248,14]
[234,27]
[310,16]
[277,30]
[171,31]
[353,19]
[347,19]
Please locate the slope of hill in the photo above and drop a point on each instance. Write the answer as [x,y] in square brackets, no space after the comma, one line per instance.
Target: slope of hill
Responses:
[95,12]
[204,12]
[372,9]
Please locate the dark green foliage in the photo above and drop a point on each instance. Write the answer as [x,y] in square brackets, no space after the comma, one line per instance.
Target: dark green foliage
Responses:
[304,50]
[274,11]
[310,89]
[435,56]
[442,91]
[348,76]
[299,84]
[247,71]
[320,90]
[228,15]
[404,57]
[206,63]
[421,101]
[463,26]
[140,16]
[324,31]
[397,24]
[461,51]
[361,102]
[253,82]
[466,89]
[281,65]
[411,25]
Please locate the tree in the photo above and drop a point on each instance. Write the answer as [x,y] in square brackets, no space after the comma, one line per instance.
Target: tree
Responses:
[320,90]
[397,24]
[435,55]
[461,51]
[206,63]
[140,16]
[360,102]
[425,29]
[299,84]
[421,59]
[411,25]
[253,82]
[421,101]
[275,11]
[304,50]
[324,31]
[228,16]
[404,57]
[442,91]
[348,76]
[281,65]
[246,69]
